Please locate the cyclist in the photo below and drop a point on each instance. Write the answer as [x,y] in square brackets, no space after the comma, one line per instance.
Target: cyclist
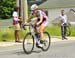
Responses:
[41,21]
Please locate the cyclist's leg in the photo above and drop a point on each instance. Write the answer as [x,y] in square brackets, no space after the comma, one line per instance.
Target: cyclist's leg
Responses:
[41,29]
[40,42]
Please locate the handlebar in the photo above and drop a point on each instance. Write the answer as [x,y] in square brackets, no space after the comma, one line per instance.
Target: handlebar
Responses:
[23,25]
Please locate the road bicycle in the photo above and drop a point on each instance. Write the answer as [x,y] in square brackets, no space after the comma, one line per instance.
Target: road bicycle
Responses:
[68,30]
[30,39]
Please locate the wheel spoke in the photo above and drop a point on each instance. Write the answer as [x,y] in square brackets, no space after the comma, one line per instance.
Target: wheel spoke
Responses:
[28,43]
[46,41]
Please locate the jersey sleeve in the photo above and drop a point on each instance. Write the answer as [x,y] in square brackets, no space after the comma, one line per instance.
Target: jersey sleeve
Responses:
[40,13]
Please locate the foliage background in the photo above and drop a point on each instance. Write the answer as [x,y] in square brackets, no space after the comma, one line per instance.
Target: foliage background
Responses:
[6,8]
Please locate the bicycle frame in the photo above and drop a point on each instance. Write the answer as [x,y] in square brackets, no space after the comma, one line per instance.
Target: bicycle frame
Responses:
[35,39]
[31,30]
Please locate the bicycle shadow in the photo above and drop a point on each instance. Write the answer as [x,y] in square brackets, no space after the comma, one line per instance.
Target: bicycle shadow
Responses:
[23,53]
[38,51]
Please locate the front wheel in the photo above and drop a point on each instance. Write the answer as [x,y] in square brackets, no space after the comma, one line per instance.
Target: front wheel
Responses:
[47,41]
[28,43]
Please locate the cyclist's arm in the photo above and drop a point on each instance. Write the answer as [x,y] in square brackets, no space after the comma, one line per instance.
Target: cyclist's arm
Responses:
[41,18]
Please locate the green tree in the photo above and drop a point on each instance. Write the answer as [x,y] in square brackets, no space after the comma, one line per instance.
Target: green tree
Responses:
[6,8]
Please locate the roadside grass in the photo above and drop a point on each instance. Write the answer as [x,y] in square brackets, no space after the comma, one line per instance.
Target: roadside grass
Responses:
[53,30]
[7,34]
[73,31]
[56,30]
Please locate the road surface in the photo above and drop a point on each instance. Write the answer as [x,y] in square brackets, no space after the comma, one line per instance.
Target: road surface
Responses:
[61,49]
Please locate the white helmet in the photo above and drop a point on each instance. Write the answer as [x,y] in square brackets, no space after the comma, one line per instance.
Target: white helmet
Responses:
[34,6]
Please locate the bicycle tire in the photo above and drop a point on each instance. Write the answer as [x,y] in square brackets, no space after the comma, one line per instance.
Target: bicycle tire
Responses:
[49,42]
[68,31]
[25,45]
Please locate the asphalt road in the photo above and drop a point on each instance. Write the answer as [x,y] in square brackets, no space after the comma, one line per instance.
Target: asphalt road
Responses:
[62,49]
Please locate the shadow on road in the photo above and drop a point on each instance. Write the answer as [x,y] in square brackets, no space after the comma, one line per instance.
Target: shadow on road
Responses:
[23,53]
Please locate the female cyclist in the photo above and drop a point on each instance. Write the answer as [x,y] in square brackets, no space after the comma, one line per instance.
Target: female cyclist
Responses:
[41,21]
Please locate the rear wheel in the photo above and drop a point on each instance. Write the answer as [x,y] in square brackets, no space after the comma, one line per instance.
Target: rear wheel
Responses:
[47,41]
[68,33]
[28,43]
